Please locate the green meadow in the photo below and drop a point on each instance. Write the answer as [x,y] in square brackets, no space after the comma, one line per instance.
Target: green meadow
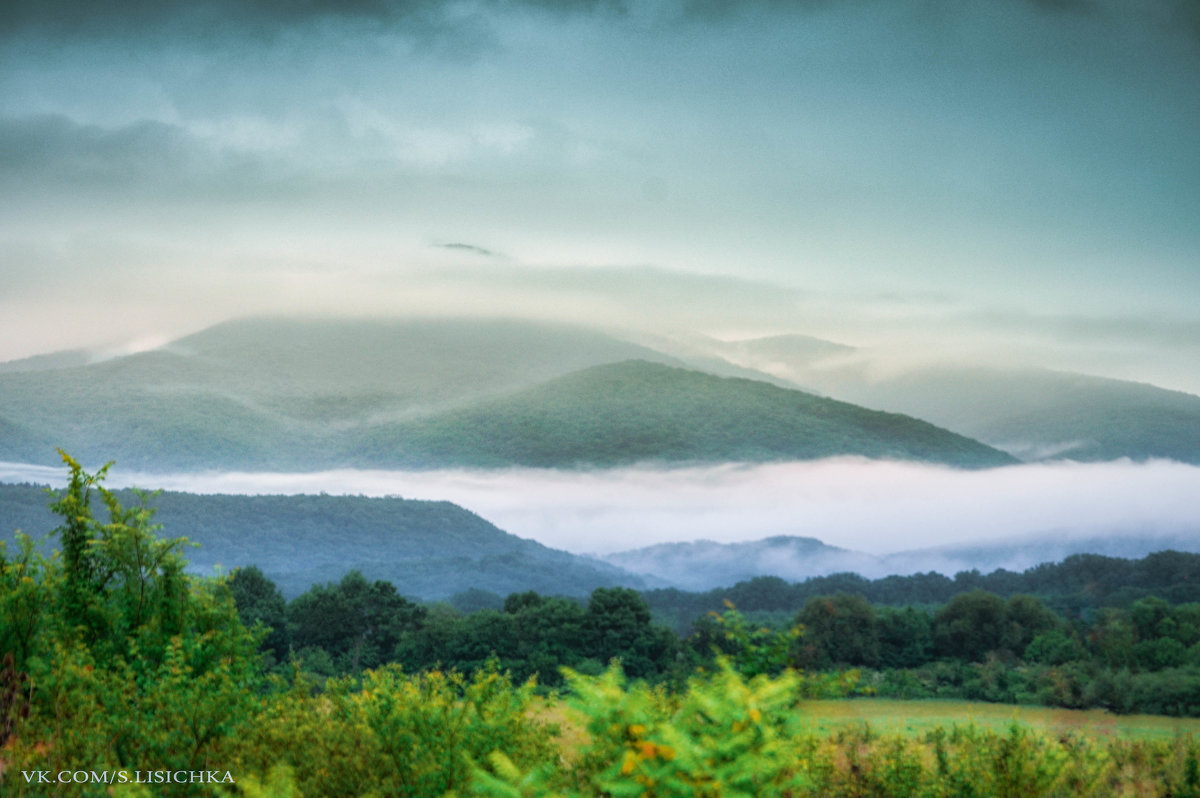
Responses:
[890,716]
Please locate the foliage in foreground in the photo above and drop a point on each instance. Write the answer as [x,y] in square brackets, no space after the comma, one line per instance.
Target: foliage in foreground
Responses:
[119,663]
[730,736]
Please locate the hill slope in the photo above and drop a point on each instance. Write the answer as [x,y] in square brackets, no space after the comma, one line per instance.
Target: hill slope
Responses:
[636,411]
[279,393]
[1035,414]
[431,550]
[1040,415]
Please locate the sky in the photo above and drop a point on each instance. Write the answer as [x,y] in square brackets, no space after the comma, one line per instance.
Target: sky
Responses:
[989,179]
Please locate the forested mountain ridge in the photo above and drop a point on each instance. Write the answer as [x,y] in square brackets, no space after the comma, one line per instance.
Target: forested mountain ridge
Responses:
[297,394]
[637,411]
[427,549]
[305,394]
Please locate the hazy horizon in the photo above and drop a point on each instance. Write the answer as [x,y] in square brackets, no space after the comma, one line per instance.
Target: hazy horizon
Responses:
[994,182]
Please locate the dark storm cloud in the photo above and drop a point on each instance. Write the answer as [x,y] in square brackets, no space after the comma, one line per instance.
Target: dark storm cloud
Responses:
[713,9]
[139,18]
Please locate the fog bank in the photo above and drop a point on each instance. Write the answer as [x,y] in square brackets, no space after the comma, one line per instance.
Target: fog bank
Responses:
[871,506]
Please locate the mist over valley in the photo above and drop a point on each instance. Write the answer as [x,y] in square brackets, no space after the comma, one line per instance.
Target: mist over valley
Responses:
[693,528]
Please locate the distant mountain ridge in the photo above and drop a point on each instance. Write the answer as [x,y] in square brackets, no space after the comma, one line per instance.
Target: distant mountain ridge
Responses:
[433,550]
[706,565]
[305,394]
[1034,414]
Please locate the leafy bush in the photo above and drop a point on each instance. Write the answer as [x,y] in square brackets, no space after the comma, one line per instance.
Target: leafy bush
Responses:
[395,734]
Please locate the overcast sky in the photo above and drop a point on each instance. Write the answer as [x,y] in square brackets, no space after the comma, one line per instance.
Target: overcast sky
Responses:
[1004,177]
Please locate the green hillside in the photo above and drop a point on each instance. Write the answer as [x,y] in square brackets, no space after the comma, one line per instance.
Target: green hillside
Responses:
[1034,414]
[636,411]
[18,444]
[430,550]
[303,394]
[277,393]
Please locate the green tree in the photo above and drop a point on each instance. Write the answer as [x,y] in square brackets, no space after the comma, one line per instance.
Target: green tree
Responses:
[1152,618]
[617,625]
[1053,647]
[259,601]
[838,630]
[1028,616]
[970,625]
[135,662]
[1112,637]
[905,637]
[359,623]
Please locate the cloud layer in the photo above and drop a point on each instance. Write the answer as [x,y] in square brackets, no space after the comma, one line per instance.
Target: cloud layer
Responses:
[875,507]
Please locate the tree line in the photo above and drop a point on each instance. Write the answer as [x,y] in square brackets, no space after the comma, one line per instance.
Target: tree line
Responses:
[1075,587]
[977,645]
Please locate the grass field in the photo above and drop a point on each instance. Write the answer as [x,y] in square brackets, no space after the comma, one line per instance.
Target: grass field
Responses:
[918,717]
[889,716]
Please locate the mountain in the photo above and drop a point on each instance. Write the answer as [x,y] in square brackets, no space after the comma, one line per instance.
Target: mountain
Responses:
[303,394]
[637,411]
[278,393]
[1038,415]
[1034,414]
[704,564]
[18,444]
[331,369]
[430,550]
[67,358]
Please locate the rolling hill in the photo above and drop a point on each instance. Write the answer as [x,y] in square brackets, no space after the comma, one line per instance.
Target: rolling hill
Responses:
[638,412]
[430,550]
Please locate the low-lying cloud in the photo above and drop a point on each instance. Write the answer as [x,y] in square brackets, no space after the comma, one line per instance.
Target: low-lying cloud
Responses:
[874,507]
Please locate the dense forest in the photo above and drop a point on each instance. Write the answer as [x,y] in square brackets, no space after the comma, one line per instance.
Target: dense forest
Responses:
[132,677]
